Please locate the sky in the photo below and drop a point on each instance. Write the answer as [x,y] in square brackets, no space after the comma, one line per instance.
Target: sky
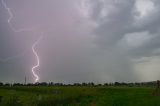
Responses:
[83,40]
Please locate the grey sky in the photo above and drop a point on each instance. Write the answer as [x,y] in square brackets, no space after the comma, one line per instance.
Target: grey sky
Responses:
[84,40]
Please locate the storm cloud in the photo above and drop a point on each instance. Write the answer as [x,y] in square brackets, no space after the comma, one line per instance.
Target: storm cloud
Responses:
[83,40]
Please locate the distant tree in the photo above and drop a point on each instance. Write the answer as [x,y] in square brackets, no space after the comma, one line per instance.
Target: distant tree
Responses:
[29,84]
[43,84]
[7,84]
[36,84]
[76,84]
[84,84]
[110,84]
[68,84]
[124,84]
[106,84]
[1,84]
[99,84]
[58,84]
[51,84]
[117,84]
[17,84]
[91,84]
[137,84]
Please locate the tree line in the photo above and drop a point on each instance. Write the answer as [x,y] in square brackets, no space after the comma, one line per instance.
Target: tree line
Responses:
[153,83]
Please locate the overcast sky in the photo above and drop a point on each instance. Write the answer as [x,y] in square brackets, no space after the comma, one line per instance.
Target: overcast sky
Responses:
[83,40]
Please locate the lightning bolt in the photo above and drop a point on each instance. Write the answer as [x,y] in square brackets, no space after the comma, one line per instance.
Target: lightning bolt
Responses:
[22,30]
[11,17]
[37,58]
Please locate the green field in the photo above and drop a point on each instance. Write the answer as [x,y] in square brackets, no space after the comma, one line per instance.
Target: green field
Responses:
[78,96]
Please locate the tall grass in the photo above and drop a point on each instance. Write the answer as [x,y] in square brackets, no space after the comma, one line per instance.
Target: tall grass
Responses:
[77,96]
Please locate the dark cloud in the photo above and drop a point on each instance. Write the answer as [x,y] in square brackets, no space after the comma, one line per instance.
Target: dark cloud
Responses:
[87,40]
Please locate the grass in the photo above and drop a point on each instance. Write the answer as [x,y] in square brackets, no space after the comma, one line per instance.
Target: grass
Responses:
[78,96]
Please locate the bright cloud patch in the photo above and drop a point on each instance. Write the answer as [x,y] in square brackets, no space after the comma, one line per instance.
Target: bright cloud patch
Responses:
[144,8]
[136,39]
